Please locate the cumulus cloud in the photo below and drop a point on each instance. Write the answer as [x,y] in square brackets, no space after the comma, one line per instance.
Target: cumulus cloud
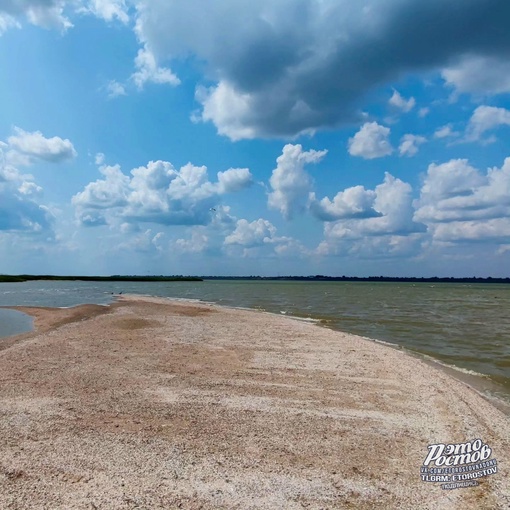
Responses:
[456,177]
[197,243]
[19,210]
[479,75]
[446,132]
[7,21]
[486,118]
[251,234]
[496,230]
[409,144]
[148,71]
[99,158]
[226,108]
[36,146]
[110,192]
[208,239]
[55,14]
[234,179]
[397,101]
[156,193]
[391,230]
[289,181]
[108,9]
[115,89]
[355,202]
[457,192]
[144,242]
[289,67]
[393,204]
[462,205]
[371,141]
[43,13]
[18,214]
[259,238]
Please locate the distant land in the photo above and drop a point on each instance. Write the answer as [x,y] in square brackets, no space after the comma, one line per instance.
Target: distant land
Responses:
[318,277]
[114,278]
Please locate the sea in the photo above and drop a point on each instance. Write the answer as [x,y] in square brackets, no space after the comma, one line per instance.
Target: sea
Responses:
[464,327]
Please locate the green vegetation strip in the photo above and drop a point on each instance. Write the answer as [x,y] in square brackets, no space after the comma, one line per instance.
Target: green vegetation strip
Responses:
[115,278]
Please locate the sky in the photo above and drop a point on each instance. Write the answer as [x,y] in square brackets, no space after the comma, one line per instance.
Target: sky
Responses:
[234,137]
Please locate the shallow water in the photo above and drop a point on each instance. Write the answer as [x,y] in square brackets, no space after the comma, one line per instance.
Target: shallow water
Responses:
[463,325]
[13,322]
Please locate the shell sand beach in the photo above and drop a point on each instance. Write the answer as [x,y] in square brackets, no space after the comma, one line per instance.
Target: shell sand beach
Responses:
[151,403]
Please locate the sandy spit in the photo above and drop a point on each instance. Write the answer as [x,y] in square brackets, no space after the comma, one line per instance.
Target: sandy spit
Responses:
[157,404]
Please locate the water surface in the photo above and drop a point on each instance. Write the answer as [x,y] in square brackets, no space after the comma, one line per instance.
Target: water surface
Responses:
[463,325]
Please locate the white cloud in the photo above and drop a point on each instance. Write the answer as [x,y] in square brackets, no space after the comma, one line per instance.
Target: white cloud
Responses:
[147,71]
[43,13]
[36,146]
[227,109]
[7,22]
[108,9]
[453,178]
[115,89]
[251,234]
[397,101]
[29,188]
[145,242]
[373,247]
[157,193]
[49,14]
[423,112]
[495,229]
[19,212]
[355,202]
[258,239]
[234,179]
[279,69]
[222,220]
[486,118]
[479,75]
[110,192]
[446,132]
[54,14]
[394,202]
[289,181]
[391,231]
[371,141]
[504,248]
[197,243]
[272,68]
[458,192]
[409,144]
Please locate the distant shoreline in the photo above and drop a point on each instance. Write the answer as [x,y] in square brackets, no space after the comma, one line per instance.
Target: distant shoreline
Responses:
[317,278]
[372,279]
[115,278]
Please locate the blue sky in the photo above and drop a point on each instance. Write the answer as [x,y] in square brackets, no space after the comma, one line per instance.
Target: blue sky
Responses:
[234,138]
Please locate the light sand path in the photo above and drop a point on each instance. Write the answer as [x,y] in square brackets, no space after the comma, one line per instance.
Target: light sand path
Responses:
[155,404]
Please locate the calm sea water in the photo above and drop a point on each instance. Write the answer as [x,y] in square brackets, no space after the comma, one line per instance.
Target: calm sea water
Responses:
[463,325]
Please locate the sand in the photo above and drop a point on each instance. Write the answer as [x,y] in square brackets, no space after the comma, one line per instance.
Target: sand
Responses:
[151,403]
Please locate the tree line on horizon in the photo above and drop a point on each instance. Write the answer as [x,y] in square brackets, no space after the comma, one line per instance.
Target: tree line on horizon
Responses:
[177,278]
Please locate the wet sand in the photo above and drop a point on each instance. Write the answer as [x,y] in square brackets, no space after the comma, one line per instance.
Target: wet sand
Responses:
[151,403]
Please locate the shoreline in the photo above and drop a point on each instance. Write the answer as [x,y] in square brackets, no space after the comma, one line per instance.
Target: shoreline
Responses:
[477,381]
[218,407]
[481,383]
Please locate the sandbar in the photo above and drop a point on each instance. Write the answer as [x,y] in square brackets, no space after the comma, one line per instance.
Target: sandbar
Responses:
[156,404]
